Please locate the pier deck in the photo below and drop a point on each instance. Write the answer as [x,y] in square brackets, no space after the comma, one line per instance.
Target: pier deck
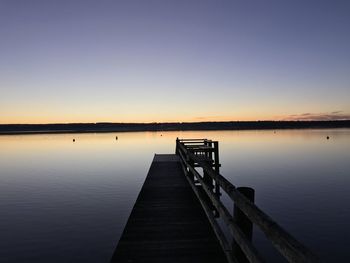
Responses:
[167,223]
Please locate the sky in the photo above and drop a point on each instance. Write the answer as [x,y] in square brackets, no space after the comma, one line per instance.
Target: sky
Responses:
[173,61]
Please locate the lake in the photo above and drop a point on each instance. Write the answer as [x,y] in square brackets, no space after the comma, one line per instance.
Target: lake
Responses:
[65,201]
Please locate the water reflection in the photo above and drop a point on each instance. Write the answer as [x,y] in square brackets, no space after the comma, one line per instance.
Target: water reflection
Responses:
[62,201]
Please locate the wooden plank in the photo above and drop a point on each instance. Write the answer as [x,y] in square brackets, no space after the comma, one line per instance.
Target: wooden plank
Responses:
[167,223]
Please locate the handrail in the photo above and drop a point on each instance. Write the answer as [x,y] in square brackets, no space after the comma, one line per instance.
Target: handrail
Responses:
[246,246]
[287,245]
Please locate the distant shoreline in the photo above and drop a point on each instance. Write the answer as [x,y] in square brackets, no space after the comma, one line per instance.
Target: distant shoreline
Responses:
[17,129]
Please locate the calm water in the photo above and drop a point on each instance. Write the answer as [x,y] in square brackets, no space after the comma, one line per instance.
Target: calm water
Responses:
[68,202]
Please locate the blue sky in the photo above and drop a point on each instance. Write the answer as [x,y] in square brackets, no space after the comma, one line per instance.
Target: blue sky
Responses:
[145,61]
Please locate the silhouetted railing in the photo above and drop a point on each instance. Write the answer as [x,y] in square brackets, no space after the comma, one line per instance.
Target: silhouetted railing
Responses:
[203,153]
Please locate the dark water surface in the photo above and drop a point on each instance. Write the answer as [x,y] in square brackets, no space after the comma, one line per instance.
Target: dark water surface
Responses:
[68,202]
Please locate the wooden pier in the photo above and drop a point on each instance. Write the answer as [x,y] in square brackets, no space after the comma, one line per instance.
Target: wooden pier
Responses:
[167,223]
[175,217]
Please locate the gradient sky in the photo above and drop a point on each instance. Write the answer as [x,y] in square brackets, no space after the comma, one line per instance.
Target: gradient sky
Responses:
[181,60]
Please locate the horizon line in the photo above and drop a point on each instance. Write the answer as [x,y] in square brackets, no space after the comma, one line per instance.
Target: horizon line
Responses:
[174,122]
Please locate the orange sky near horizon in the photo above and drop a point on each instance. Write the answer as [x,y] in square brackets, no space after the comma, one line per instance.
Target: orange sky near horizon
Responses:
[150,118]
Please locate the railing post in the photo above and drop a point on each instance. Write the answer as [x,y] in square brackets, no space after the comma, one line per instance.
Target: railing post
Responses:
[177,146]
[217,166]
[208,157]
[243,222]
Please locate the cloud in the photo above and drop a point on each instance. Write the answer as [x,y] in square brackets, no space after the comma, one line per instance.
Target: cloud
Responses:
[328,116]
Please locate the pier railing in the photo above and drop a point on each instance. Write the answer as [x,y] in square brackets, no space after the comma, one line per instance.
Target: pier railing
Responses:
[203,154]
